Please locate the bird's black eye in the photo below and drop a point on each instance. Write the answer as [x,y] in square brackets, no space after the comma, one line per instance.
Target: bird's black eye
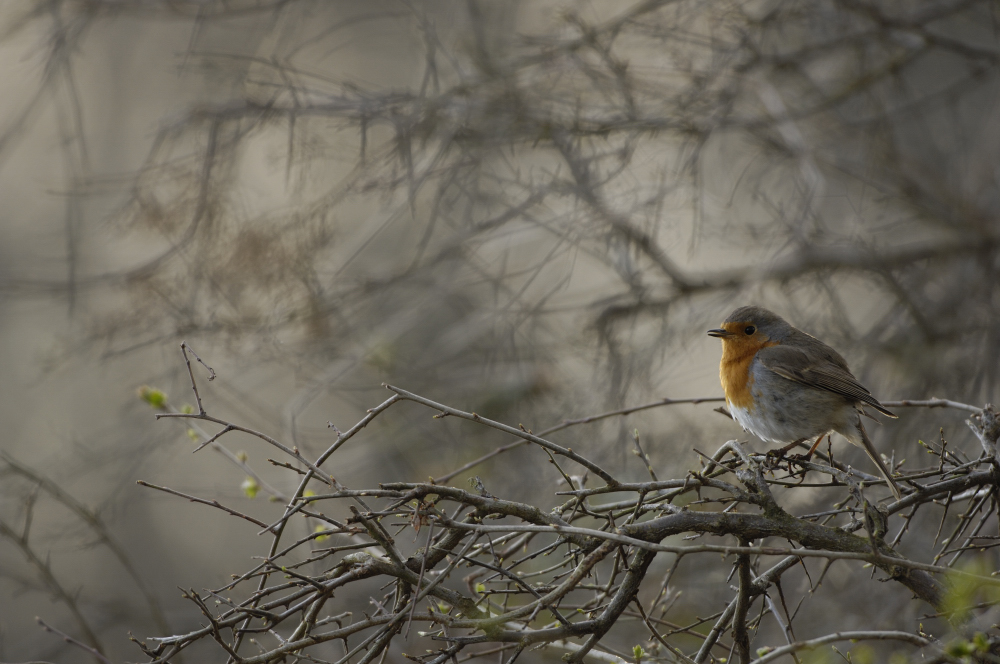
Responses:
[750,329]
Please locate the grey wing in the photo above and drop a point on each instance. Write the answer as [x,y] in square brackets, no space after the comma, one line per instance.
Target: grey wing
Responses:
[793,364]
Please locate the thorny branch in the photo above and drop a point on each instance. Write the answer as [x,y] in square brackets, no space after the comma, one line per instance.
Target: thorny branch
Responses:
[577,601]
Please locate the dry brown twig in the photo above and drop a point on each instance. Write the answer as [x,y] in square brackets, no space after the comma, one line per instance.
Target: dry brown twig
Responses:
[468,528]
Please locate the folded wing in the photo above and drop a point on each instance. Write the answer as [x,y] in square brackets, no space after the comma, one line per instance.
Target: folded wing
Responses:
[794,364]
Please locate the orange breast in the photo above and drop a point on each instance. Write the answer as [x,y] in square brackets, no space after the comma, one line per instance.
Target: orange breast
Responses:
[735,377]
[734,371]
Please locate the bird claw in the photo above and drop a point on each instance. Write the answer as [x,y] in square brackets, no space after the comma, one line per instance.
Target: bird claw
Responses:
[773,459]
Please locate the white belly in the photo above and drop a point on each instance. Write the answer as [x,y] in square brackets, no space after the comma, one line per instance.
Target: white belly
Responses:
[769,425]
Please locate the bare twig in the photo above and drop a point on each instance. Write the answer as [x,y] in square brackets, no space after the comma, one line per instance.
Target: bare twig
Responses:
[93,652]
[473,417]
[203,501]
[887,635]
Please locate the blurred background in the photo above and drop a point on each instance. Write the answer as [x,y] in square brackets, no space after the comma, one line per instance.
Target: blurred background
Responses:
[530,210]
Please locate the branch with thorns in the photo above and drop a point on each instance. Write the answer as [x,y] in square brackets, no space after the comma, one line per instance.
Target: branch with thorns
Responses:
[602,553]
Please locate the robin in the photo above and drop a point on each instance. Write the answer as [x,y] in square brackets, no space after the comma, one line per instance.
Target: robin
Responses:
[785,386]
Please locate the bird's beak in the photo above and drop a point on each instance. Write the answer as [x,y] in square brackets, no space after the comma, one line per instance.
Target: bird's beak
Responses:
[720,333]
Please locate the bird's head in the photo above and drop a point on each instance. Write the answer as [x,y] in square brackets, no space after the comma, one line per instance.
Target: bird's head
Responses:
[749,329]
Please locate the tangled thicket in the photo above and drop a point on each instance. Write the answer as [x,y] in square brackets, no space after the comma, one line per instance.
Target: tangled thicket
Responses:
[476,574]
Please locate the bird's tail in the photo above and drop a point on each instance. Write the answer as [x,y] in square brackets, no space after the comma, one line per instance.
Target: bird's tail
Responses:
[870,449]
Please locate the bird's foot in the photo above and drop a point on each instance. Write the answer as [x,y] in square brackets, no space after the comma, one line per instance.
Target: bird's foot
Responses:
[773,459]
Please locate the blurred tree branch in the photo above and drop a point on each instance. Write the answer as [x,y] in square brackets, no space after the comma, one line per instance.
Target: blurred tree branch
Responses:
[551,135]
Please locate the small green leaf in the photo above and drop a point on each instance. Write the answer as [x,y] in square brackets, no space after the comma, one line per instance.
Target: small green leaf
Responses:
[154,397]
[637,650]
[250,487]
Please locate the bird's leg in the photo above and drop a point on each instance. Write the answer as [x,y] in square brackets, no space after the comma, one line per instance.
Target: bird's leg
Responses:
[780,452]
[812,449]
[774,457]
[808,455]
